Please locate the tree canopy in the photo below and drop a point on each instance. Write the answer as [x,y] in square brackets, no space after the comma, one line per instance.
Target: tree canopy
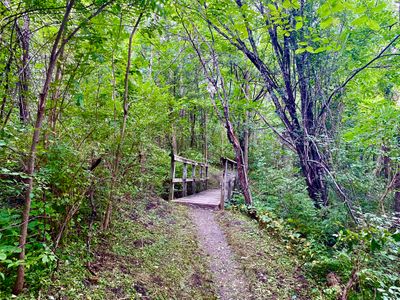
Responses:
[303,95]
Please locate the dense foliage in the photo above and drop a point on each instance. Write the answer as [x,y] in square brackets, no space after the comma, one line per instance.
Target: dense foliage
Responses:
[95,95]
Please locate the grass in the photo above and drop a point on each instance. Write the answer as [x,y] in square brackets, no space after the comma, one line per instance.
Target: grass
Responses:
[150,252]
[272,272]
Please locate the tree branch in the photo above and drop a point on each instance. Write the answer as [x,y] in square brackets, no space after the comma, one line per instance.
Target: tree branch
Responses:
[355,73]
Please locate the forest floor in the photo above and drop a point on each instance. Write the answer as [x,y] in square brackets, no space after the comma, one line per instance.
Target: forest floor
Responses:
[159,250]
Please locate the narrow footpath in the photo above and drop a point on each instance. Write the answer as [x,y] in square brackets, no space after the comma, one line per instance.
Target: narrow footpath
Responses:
[229,278]
[161,250]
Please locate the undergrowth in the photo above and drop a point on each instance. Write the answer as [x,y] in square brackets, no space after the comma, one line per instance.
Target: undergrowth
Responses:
[150,252]
[338,255]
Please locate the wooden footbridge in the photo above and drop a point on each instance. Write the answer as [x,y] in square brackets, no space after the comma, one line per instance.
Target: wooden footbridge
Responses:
[191,186]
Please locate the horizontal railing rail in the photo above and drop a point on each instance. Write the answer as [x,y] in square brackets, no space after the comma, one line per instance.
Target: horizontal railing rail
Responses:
[194,179]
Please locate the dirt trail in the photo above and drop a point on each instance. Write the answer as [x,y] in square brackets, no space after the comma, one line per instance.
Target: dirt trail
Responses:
[230,280]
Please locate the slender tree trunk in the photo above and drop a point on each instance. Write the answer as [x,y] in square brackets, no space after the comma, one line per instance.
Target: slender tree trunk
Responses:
[19,283]
[383,163]
[396,188]
[107,217]
[192,117]
[311,164]
[57,93]
[24,72]
[205,135]
[246,129]
[241,167]
[6,82]
[217,87]
[246,137]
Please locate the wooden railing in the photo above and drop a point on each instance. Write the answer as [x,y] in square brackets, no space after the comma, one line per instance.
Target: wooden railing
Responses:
[197,183]
[229,180]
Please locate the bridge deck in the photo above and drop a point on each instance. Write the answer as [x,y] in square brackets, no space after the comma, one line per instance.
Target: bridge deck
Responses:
[208,199]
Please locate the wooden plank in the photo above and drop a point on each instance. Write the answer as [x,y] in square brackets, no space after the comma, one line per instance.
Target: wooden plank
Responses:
[172,186]
[180,180]
[201,178]
[185,160]
[206,199]
[229,160]
[206,181]
[194,179]
[184,180]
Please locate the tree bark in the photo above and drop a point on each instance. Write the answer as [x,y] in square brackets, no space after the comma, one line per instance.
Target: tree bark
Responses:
[19,283]
[396,188]
[115,171]
[6,80]
[192,117]
[311,164]
[241,167]
[217,88]
[24,72]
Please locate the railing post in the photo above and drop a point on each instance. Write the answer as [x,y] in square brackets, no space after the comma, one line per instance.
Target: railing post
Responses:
[223,183]
[198,181]
[206,183]
[201,177]
[236,183]
[194,178]
[184,177]
[172,185]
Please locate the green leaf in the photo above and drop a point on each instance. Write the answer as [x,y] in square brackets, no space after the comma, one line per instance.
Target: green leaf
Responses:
[396,236]
[360,21]
[320,49]
[328,22]
[338,7]
[310,49]
[296,4]
[299,25]
[9,248]
[286,4]
[79,99]
[300,50]
[45,259]
[375,245]
[373,24]
[3,256]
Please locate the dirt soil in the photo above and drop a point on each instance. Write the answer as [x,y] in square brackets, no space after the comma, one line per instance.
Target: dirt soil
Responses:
[227,275]
[160,250]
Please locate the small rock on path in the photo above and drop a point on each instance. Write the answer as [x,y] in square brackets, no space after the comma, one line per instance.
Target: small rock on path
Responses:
[230,280]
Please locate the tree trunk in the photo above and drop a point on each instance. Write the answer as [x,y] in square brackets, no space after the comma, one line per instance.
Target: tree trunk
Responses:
[246,138]
[396,188]
[241,167]
[383,163]
[115,171]
[311,164]
[6,73]
[192,117]
[57,93]
[19,283]
[205,137]
[24,72]
[217,87]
